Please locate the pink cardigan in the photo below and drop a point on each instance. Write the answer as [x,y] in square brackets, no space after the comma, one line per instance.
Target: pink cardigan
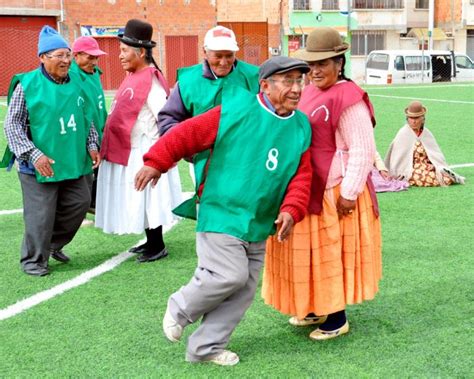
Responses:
[355,153]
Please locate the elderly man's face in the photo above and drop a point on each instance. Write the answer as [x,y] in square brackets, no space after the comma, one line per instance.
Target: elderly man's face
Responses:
[86,62]
[57,62]
[220,61]
[284,90]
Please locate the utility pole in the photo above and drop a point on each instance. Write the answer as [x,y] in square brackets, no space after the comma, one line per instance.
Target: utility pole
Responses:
[430,24]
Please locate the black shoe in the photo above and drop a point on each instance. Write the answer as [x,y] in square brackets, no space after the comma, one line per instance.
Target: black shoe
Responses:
[141,249]
[152,256]
[36,271]
[60,256]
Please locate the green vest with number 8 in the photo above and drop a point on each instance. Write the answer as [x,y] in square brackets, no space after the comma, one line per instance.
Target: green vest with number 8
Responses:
[58,123]
[255,156]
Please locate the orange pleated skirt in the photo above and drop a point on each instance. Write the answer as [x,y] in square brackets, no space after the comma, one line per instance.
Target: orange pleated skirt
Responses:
[326,262]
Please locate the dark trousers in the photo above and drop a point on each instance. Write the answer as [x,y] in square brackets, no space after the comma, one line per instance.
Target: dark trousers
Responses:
[52,213]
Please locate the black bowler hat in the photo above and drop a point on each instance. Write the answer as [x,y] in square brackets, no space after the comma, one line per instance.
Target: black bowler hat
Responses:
[137,33]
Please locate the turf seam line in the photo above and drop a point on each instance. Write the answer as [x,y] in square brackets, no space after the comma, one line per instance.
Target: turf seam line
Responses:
[59,289]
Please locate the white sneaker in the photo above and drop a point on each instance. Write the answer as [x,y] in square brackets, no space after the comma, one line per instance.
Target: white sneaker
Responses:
[173,331]
[225,358]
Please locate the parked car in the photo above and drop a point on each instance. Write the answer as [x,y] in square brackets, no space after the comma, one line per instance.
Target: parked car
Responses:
[417,66]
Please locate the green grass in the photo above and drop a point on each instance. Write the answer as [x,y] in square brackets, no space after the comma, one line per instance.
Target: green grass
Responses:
[419,325]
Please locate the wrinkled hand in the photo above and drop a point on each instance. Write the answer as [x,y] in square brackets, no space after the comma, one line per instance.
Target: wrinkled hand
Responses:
[144,176]
[384,174]
[284,224]
[95,156]
[345,207]
[43,166]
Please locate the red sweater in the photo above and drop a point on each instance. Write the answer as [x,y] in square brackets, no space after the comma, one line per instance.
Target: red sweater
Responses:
[199,133]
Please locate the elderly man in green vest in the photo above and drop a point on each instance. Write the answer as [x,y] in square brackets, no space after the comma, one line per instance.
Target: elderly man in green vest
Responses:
[86,55]
[48,130]
[199,87]
[258,176]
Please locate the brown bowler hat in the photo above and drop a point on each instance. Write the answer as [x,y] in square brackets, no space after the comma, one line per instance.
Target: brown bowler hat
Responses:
[137,33]
[322,43]
[415,109]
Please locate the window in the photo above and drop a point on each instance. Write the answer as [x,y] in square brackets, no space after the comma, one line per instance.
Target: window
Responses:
[301,5]
[463,62]
[422,4]
[378,61]
[365,41]
[330,4]
[399,63]
[378,4]
[414,63]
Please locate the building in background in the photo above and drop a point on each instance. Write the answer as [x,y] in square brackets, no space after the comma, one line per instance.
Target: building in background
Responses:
[179,29]
[263,28]
[256,24]
[382,24]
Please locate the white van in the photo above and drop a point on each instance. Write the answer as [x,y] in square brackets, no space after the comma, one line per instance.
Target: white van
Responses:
[405,66]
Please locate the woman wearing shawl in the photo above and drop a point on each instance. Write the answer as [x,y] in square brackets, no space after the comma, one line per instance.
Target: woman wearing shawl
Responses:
[414,154]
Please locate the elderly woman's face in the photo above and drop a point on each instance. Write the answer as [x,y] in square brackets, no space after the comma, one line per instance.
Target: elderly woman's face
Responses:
[324,74]
[131,58]
[416,123]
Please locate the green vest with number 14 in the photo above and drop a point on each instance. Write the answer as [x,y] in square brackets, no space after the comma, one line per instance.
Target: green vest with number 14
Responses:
[255,156]
[58,124]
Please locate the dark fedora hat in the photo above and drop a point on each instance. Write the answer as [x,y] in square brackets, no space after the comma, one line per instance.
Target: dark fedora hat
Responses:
[137,33]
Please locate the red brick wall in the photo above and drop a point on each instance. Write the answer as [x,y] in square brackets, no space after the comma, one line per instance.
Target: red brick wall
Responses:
[254,11]
[444,14]
[172,17]
[15,30]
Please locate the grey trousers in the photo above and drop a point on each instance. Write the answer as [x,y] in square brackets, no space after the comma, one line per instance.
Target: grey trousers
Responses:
[221,290]
[52,213]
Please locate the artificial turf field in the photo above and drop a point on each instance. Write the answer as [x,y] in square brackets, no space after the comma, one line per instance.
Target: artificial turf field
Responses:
[419,325]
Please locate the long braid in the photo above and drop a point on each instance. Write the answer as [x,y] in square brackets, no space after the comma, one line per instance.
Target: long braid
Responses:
[149,58]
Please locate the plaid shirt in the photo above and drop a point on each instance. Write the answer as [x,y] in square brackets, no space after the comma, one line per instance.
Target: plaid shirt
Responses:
[17,125]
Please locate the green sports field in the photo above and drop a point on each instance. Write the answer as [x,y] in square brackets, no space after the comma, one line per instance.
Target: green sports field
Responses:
[419,325]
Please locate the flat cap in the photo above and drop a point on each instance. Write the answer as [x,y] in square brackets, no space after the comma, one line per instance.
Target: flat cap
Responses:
[280,64]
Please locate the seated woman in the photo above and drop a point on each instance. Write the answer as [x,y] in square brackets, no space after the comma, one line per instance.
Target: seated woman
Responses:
[414,154]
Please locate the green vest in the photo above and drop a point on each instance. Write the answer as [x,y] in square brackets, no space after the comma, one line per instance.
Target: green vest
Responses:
[58,124]
[255,156]
[199,94]
[93,90]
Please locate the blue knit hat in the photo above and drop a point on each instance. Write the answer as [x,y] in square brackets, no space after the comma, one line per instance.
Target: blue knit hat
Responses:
[50,39]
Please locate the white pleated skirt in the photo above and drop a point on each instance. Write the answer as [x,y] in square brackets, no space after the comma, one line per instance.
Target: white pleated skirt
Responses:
[120,209]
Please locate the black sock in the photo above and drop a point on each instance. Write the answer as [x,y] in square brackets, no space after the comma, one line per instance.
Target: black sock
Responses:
[154,239]
[334,321]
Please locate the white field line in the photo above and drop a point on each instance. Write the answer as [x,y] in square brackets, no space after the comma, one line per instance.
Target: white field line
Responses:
[424,99]
[462,165]
[3,104]
[43,296]
[425,86]
[11,211]
[186,195]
